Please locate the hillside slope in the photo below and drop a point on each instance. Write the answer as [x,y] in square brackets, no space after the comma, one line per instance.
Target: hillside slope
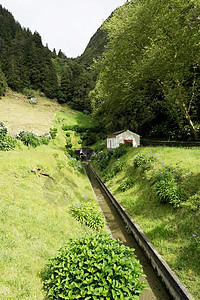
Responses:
[146,180]
[37,188]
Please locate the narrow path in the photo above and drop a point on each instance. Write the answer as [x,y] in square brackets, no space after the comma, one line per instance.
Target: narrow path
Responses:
[118,230]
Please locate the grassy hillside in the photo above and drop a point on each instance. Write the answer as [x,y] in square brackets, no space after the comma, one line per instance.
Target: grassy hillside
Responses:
[174,229]
[18,114]
[37,187]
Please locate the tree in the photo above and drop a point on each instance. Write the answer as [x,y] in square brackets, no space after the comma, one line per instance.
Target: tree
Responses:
[151,60]
[3,83]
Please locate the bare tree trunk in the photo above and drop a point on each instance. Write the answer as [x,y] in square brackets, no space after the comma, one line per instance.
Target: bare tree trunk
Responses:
[190,123]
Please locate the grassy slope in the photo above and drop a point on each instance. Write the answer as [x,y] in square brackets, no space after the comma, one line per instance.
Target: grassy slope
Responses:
[18,114]
[34,217]
[170,230]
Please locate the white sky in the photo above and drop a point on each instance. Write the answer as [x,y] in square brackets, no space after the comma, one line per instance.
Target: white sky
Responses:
[63,24]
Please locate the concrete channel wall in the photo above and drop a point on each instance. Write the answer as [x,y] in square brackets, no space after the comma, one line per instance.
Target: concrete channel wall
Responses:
[172,283]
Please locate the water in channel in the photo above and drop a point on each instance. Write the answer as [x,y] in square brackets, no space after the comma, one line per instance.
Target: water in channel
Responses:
[118,230]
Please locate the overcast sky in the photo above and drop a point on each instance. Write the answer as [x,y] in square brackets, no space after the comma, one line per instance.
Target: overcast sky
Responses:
[63,24]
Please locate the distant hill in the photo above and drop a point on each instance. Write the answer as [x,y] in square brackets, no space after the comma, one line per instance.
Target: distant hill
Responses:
[24,61]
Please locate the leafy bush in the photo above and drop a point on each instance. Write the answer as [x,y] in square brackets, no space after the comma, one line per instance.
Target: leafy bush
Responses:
[81,129]
[104,157]
[126,184]
[68,143]
[128,144]
[167,190]
[88,214]
[67,134]
[192,203]
[144,161]
[29,93]
[90,139]
[29,138]
[7,143]
[116,167]
[93,267]
[3,131]
[76,165]
[53,132]
[119,151]
[104,163]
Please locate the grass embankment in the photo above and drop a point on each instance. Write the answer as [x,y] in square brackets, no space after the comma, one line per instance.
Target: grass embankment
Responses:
[37,187]
[174,231]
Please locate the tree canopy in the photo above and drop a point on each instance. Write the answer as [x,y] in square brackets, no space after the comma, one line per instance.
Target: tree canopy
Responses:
[151,64]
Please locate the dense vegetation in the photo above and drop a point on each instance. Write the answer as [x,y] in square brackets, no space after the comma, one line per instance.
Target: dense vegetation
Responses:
[149,74]
[94,267]
[159,188]
[24,61]
[26,64]
[47,203]
[76,81]
[147,56]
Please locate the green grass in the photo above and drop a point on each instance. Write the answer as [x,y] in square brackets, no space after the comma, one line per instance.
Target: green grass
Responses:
[37,188]
[174,232]
[34,216]
[72,118]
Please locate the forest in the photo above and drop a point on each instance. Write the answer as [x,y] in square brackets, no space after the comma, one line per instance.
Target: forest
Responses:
[141,69]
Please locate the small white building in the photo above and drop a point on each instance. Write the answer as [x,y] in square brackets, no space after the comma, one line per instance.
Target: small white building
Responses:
[121,137]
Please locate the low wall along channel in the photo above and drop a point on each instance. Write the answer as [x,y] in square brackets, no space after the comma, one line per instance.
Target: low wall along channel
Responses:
[162,282]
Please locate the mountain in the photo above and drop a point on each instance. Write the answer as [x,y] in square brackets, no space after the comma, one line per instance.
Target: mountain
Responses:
[24,61]
[26,64]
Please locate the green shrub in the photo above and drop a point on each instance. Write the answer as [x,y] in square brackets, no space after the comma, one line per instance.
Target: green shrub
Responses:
[53,132]
[81,129]
[116,167]
[7,143]
[31,139]
[68,143]
[76,165]
[29,93]
[119,151]
[88,214]
[126,184]
[93,267]
[128,144]
[104,163]
[166,189]
[3,131]
[67,134]
[90,139]
[144,161]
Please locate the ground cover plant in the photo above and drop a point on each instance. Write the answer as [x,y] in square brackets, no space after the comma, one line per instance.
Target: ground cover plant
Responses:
[88,214]
[94,267]
[37,187]
[164,201]
[7,143]
[167,189]
[31,139]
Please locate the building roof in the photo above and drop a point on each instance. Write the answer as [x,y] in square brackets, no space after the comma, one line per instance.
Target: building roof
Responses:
[115,134]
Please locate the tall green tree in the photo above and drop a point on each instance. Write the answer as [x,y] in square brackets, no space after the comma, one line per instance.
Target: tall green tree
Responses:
[151,61]
[3,83]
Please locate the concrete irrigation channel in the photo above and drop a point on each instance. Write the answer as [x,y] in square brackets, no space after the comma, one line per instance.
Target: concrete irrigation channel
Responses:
[162,282]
